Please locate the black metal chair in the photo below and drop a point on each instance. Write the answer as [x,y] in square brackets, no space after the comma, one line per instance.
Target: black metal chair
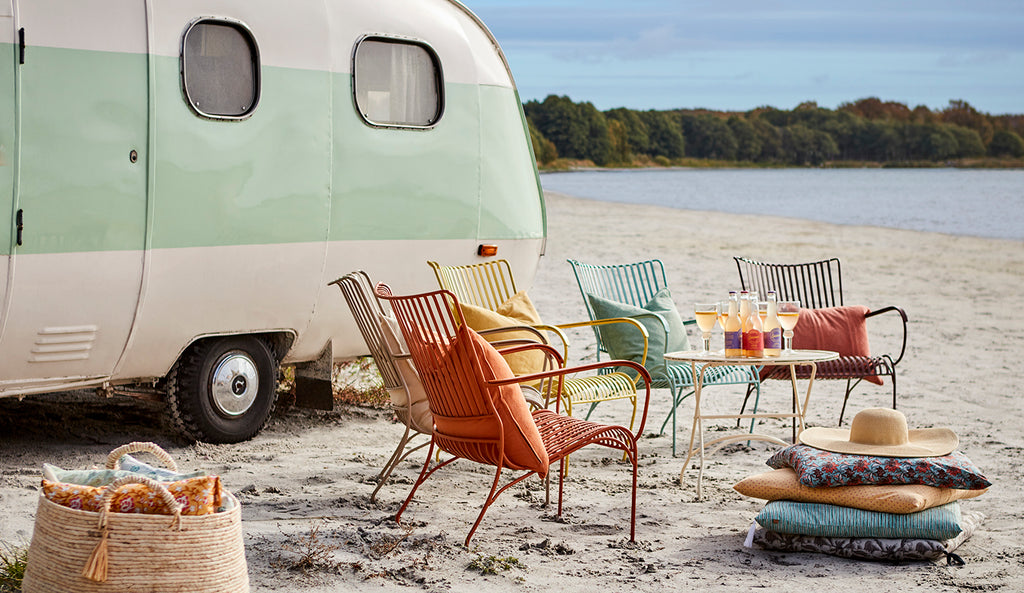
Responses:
[818,285]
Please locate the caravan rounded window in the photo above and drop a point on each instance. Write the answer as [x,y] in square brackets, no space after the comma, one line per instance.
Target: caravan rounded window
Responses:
[220,69]
[397,83]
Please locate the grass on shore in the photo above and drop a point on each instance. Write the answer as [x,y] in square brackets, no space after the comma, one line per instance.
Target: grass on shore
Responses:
[646,162]
[12,566]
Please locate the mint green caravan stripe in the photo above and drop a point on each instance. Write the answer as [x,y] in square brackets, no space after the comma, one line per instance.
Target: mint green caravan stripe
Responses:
[7,152]
[268,179]
[82,113]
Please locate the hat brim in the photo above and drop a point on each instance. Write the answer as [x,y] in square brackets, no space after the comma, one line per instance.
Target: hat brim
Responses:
[924,442]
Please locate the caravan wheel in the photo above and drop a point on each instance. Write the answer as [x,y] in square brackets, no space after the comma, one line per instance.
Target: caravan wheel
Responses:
[222,390]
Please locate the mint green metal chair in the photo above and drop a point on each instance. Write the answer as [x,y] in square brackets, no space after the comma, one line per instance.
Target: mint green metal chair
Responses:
[637,284]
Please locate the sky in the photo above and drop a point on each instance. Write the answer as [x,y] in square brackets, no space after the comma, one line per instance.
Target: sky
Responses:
[735,55]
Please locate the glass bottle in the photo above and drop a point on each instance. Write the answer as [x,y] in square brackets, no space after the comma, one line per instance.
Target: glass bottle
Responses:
[772,330]
[753,340]
[733,328]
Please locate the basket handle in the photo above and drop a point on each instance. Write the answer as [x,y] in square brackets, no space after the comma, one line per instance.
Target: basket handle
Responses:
[114,458]
[96,567]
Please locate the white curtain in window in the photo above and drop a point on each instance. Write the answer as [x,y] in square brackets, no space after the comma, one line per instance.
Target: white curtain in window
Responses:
[396,83]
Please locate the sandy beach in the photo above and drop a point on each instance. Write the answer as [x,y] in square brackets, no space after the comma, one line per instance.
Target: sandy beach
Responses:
[312,472]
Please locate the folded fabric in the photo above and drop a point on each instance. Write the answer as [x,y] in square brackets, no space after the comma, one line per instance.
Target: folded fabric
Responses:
[818,468]
[102,477]
[783,484]
[625,342]
[198,496]
[871,548]
[806,518]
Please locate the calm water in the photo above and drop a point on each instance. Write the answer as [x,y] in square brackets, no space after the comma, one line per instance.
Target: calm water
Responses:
[982,203]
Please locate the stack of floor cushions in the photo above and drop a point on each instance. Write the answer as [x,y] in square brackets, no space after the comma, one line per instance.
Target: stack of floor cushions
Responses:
[875,491]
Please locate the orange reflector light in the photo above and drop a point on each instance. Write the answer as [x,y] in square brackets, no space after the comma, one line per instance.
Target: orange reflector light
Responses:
[487,250]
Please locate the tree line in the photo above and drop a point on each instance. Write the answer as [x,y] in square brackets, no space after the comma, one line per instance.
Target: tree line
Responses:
[867,130]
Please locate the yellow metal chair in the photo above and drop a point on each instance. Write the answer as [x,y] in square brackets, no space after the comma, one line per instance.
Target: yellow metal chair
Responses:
[490,285]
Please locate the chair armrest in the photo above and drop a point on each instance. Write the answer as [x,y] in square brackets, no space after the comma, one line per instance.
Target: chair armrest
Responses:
[611,320]
[903,316]
[561,372]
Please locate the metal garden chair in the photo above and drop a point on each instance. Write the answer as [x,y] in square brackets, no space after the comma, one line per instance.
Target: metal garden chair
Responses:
[637,284]
[490,284]
[396,368]
[479,413]
[819,285]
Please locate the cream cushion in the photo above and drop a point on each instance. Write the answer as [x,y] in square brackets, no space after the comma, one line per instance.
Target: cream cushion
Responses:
[411,404]
[784,484]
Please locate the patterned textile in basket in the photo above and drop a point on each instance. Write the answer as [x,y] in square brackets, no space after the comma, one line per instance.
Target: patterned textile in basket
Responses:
[106,552]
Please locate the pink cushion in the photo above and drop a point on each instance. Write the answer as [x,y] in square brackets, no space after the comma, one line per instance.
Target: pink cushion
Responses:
[839,329]
[524,449]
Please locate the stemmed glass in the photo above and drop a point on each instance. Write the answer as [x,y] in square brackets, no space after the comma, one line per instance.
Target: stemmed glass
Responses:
[789,314]
[707,316]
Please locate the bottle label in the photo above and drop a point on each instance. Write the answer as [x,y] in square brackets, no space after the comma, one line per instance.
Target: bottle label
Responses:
[753,343]
[733,340]
[773,339]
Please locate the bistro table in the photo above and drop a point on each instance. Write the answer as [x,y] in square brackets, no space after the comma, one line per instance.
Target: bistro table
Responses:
[706,360]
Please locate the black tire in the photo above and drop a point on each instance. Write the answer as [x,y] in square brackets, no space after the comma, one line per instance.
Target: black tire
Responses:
[210,392]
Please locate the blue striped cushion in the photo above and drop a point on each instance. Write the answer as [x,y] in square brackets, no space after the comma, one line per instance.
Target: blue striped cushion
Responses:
[805,518]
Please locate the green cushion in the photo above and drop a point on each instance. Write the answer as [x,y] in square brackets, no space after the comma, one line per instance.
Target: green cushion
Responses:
[623,341]
[826,520]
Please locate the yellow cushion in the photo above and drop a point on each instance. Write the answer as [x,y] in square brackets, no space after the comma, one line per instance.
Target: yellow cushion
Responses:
[518,310]
[783,484]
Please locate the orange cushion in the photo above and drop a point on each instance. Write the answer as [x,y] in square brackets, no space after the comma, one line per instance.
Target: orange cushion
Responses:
[784,484]
[839,329]
[524,449]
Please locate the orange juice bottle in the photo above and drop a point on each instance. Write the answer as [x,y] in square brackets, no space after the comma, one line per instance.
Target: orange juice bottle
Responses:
[733,328]
[752,338]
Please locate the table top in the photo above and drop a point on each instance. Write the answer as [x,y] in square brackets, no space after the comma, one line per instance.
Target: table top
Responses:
[718,356]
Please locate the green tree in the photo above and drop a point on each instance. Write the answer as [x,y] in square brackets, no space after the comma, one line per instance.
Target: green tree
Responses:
[1006,143]
[558,120]
[968,142]
[617,134]
[666,139]
[543,149]
[748,141]
[960,112]
[636,129]
[708,137]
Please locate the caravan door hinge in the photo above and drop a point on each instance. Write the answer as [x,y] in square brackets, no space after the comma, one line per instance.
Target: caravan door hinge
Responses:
[21,45]
[19,223]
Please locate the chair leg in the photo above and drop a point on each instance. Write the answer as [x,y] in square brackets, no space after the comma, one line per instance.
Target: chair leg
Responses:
[846,397]
[562,466]
[893,389]
[634,457]
[750,389]
[425,473]
[491,496]
[395,459]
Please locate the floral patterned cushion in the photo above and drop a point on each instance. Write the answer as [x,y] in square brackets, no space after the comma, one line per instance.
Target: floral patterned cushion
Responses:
[818,468]
[198,496]
[871,548]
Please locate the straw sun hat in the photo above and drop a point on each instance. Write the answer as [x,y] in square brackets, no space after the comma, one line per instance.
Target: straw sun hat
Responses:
[882,432]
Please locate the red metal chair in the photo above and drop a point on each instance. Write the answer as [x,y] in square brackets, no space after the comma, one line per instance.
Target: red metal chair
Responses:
[478,408]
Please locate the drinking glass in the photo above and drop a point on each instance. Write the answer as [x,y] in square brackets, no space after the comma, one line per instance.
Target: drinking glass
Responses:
[707,316]
[789,314]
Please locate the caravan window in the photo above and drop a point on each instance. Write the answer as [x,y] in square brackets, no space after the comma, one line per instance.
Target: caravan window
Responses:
[397,83]
[220,69]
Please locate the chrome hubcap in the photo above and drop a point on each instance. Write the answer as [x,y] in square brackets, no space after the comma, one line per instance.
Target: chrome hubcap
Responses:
[236,383]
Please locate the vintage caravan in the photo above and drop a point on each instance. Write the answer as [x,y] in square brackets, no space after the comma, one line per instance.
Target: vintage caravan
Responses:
[182,179]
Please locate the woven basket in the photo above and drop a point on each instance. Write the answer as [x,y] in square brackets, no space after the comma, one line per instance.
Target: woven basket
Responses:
[123,552]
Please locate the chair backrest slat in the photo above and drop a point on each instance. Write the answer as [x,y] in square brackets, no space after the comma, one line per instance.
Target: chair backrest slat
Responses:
[366,309]
[815,284]
[635,284]
[487,284]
